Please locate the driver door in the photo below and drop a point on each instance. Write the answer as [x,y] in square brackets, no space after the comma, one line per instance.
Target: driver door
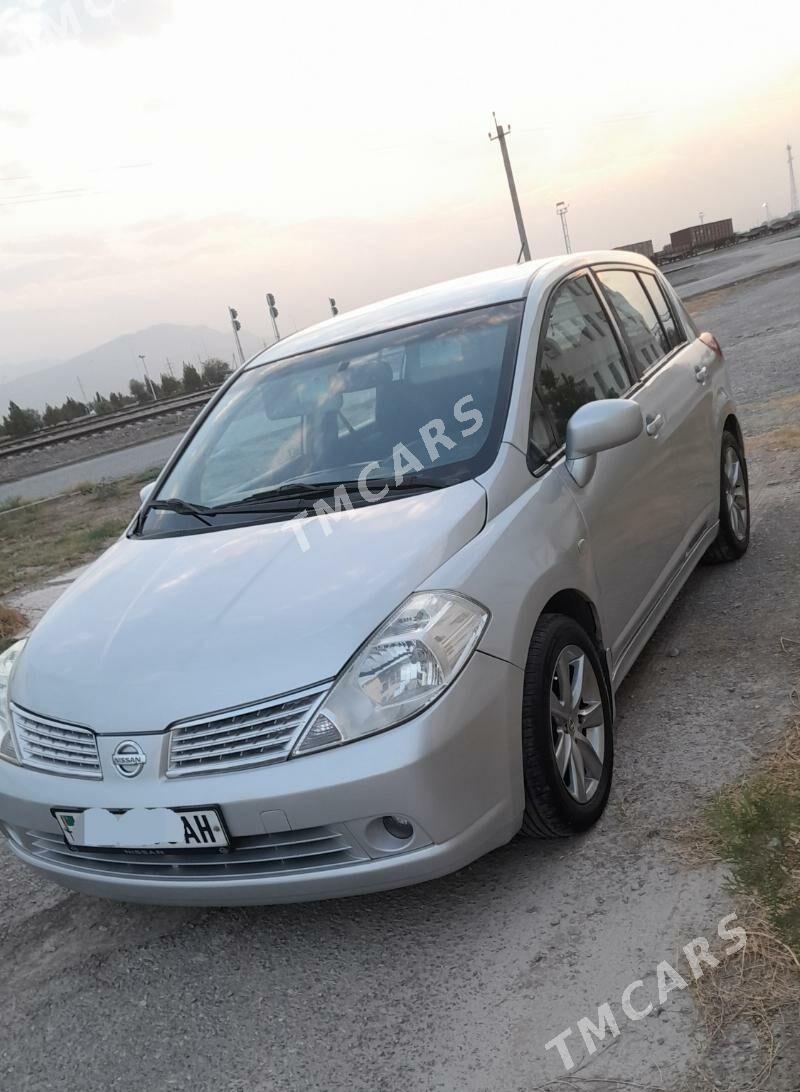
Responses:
[631,528]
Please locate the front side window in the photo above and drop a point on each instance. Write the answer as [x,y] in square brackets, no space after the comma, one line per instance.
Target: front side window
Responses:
[637,316]
[426,402]
[580,359]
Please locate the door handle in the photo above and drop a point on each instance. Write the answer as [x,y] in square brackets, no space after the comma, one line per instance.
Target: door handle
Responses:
[653,425]
[701,373]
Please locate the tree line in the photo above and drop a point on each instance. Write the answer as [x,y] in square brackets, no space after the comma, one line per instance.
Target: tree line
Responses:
[19,422]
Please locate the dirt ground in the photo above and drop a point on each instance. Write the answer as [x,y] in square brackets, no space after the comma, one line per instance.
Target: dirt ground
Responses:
[457,985]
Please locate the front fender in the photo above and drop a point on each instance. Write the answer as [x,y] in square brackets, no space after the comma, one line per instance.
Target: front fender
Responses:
[532,549]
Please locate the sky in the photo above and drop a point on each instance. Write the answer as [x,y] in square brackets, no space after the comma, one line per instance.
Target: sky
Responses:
[163,159]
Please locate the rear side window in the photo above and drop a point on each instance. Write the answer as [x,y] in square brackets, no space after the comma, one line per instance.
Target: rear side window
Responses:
[580,359]
[636,315]
[673,334]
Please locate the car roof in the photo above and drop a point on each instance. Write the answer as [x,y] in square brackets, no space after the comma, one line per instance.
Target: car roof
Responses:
[511,282]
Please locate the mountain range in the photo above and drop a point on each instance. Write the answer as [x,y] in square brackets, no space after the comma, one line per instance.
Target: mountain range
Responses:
[110,366]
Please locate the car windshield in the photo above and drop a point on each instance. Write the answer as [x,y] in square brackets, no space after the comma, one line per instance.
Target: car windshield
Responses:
[423,405]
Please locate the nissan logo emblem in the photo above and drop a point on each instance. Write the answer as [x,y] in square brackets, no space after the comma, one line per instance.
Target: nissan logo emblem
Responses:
[128,758]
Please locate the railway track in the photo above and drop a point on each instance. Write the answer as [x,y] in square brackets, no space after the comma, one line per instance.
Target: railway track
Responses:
[91,426]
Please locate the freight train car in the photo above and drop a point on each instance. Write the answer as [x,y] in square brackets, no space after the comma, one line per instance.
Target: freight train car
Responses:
[693,240]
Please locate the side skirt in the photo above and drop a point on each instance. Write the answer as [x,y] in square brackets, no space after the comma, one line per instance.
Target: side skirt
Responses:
[645,631]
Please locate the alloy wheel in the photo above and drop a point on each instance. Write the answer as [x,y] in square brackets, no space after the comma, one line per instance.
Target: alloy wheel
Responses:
[735,493]
[577,723]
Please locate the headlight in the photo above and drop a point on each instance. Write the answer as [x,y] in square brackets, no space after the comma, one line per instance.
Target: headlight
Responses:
[406,664]
[8,746]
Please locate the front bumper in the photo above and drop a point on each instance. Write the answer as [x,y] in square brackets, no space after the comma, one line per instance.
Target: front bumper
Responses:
[306,828]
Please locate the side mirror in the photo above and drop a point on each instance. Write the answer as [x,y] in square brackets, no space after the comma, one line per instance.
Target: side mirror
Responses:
[145,491]
[599,426]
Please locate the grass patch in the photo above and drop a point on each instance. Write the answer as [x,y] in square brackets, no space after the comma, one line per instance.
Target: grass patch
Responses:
[746,997]
[100,491]
[10,502]
[755,828]
[98,536]
[44,540]
[11,622]
[785,438]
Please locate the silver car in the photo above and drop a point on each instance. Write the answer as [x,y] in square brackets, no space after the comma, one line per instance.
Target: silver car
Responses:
[368,623]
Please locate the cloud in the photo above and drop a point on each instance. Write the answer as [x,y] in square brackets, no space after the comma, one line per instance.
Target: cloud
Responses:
[31,24]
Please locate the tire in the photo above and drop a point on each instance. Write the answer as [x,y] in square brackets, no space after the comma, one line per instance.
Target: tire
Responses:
[733,536]
[553,808]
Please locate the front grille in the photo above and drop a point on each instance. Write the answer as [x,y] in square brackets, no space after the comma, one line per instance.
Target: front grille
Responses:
[250,736]
[259,855]
[55,747]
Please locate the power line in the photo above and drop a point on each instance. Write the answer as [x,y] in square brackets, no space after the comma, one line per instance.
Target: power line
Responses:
[37,199]
[500,135]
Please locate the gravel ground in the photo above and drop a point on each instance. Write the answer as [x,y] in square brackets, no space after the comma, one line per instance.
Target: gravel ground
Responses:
[458,984]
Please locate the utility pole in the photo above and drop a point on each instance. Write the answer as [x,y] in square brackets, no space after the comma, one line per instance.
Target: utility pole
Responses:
[153,394]
[794,204]
[273,314]
[765,207]
[236,328]
[169,365]
[500,135]
[561,211]
[83,394]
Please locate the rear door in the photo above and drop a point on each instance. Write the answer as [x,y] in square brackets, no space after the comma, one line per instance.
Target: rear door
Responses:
[630,505]
[699,368]
[675,396]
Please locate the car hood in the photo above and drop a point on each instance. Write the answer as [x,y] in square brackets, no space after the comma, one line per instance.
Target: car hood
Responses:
[161,629]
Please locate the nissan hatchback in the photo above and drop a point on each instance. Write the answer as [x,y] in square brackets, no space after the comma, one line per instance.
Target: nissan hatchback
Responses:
[368,623]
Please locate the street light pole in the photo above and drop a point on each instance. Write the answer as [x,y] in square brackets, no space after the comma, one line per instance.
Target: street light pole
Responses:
[561,211]
[153,394]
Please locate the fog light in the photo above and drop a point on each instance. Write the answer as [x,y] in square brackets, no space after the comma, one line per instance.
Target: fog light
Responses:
[398,827]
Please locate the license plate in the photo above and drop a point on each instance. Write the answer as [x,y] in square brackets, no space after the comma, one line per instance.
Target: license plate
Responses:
[143,828]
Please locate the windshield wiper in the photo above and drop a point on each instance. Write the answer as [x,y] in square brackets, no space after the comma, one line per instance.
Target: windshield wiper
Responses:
[184,508]
[409,484]
[291,491]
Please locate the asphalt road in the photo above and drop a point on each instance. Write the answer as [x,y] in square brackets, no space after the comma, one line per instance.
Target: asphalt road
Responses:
[115,464]
[456,985]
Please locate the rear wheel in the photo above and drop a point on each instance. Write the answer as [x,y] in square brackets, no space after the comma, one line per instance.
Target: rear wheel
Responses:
[733,535]
[567,743]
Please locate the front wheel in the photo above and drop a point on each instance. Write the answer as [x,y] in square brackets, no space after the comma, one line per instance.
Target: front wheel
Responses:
[733,535]
[567,743]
